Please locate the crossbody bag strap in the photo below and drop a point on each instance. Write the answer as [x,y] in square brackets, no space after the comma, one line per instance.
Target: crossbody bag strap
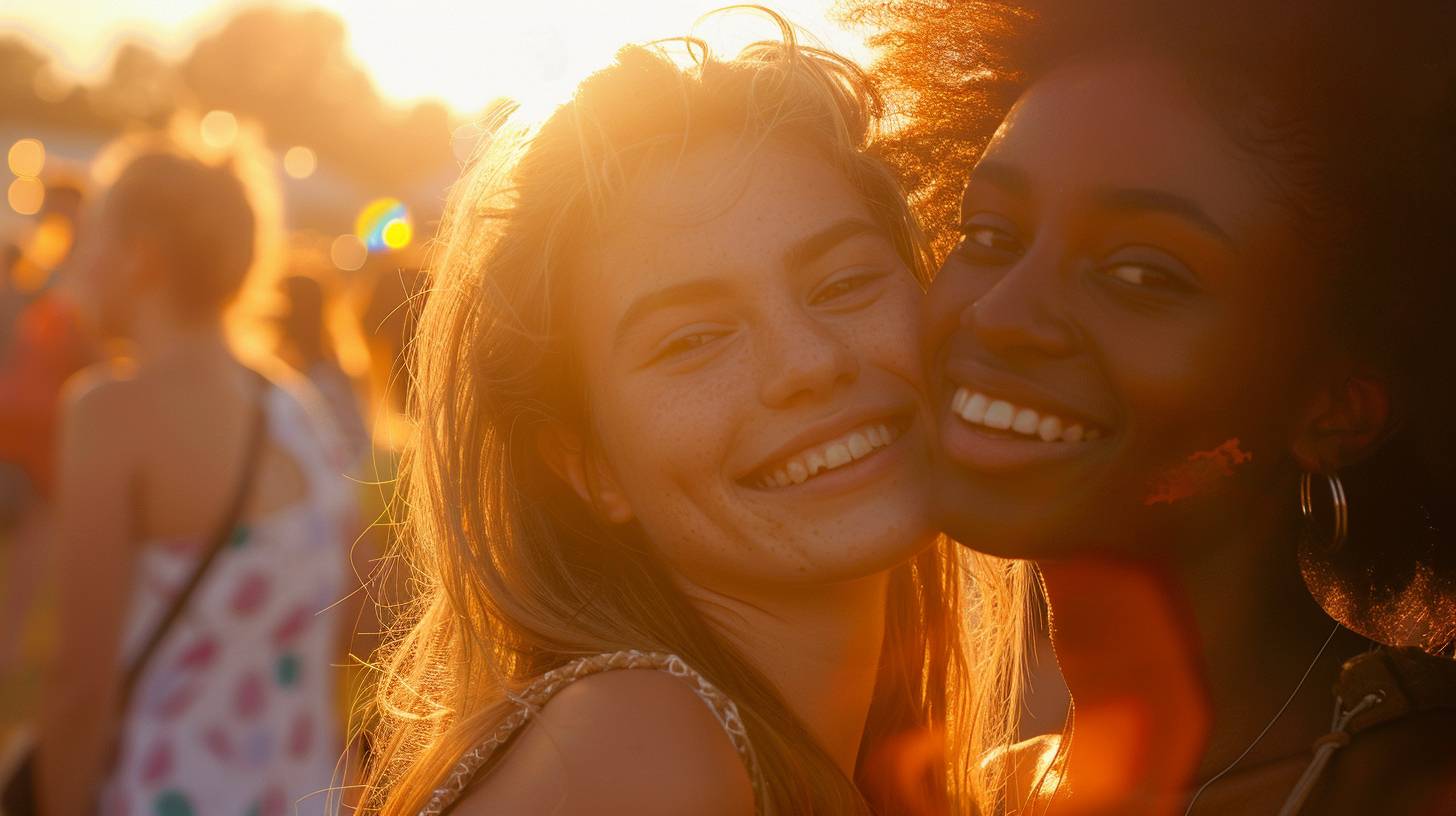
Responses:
[220,537]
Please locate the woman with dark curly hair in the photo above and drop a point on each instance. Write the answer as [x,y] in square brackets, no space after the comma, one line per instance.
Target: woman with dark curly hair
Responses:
[1190,347]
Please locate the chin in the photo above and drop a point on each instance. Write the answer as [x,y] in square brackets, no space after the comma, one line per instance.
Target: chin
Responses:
[855,555]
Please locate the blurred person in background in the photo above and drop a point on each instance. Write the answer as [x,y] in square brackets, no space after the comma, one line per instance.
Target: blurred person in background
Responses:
[1191,348]
[669,463]
[310,307]
[42,343]
[235,711]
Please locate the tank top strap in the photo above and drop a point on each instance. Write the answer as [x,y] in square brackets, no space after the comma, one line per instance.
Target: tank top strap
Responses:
[530,702]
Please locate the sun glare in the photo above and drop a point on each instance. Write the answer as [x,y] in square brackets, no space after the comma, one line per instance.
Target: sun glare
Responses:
[471,53]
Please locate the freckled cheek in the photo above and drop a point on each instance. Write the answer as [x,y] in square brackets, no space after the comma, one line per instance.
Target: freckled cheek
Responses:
[890,339]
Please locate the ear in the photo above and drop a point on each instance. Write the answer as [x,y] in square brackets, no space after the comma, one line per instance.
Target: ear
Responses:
[584,472]
[1345,422]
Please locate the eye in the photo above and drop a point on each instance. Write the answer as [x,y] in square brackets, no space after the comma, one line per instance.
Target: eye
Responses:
[1145,276]
[989,243]
[992,238]
[843,286]
[686,344]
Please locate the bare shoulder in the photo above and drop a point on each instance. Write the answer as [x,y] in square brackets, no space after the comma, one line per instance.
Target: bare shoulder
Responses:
[621,742]
[98,398]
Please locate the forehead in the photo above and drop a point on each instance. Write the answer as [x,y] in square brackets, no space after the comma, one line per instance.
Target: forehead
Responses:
[1131,123]
[720,209]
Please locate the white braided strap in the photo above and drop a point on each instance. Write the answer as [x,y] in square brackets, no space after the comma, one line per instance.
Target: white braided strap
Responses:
[530,702]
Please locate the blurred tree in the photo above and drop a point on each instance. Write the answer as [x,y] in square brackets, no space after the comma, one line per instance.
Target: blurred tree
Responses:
[291,71]
[141,87]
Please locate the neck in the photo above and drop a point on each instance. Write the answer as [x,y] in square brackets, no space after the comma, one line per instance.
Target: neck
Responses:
[820,648]
[1177,667]
[158,338]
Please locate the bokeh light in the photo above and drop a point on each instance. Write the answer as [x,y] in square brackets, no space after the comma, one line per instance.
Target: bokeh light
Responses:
[219,128]
[384,224]
[299,162]
[27,158]
[348,253]
[26,195]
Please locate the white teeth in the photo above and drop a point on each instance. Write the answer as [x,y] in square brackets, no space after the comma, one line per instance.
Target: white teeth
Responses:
[815,462]
[856,444]
[999,415]
[975,408]
[979,409]
[1026,421]
[1050,429]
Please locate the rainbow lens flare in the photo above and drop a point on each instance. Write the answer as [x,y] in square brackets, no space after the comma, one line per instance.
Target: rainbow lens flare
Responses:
[384,224]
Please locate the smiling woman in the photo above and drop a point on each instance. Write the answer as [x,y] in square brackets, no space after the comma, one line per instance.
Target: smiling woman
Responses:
[1190,353]
[672,418]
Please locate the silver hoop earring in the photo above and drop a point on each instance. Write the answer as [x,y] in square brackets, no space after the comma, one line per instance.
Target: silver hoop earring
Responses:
[1341,516]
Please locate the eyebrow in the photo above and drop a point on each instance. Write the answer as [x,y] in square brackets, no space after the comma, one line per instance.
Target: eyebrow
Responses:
[1137,199]
[811,248]
[802,253]
[1125,199]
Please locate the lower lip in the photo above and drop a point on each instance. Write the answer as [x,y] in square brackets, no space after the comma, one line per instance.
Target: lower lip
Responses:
[978,448]
[851,477]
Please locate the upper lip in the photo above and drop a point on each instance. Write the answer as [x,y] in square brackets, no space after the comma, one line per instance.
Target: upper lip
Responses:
[997,384]
[824,430]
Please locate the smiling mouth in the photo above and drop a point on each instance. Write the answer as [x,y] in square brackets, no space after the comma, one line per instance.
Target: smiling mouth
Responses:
[1004,418]
[844,450]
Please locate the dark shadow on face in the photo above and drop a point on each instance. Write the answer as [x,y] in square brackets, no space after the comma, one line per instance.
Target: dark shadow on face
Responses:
[1119,346]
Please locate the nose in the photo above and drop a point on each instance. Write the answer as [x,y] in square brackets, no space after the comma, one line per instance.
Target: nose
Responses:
[1021,316]
[803,360]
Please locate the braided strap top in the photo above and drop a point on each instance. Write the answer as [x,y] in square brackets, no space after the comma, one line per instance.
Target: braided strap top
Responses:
[530,702]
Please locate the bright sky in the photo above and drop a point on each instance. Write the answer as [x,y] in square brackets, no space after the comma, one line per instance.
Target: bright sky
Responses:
[465,52]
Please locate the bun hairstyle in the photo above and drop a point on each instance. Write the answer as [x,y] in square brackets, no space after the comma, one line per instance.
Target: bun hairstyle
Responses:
[1351,113]
[515,575]
[210,218]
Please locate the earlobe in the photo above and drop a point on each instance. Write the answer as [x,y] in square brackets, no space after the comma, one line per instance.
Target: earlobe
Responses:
[1345,423]
[585,473]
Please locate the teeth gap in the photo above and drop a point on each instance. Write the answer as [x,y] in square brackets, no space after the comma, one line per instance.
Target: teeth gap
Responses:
[1001,415]
[851,447]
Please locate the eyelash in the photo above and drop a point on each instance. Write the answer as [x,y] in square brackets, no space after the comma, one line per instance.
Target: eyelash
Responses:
[850,283]
[686,345]
[1166,280]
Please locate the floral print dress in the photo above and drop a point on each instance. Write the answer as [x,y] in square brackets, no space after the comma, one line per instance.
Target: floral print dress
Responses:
[236,713]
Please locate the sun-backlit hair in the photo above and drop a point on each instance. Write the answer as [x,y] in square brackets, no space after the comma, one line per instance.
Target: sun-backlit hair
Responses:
[516,576]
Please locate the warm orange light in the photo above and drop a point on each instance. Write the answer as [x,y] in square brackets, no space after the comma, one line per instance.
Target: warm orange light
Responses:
[27,157]
[218,129]
[348,253]
[26,195]
[299,162]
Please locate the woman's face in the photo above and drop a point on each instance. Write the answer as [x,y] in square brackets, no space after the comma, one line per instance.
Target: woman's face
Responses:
[1120,348]
[750,340]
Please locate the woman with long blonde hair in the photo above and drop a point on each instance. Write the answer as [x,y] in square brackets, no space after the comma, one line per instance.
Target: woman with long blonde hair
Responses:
[670,416]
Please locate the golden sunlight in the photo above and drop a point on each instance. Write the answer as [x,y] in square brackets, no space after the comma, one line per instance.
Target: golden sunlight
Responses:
[464,54]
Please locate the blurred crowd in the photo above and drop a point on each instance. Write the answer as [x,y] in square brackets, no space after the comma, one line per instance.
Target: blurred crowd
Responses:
[166,261]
